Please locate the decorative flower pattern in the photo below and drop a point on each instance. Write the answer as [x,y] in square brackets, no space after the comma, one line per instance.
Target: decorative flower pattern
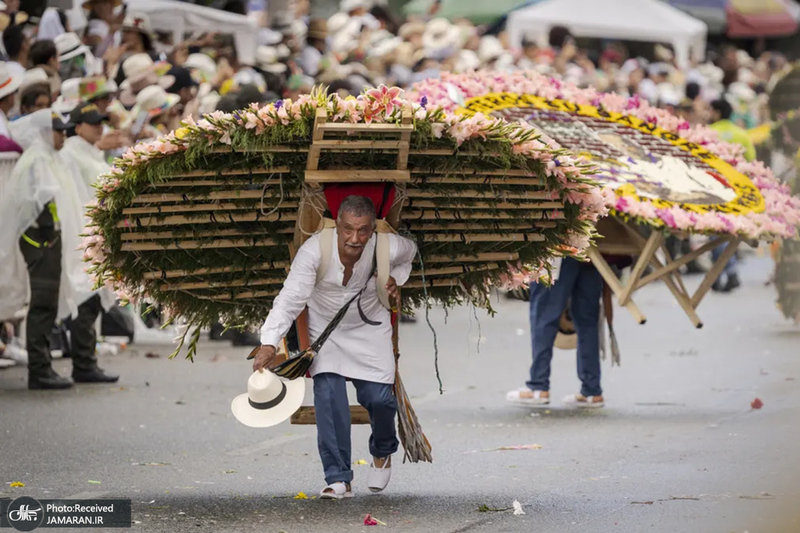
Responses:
[781,217]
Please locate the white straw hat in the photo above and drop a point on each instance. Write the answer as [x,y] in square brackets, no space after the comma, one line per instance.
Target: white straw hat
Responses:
[267,59]
[70,97]
[269,400]
[155,100]
[440,34]
[69,45]
[8,83]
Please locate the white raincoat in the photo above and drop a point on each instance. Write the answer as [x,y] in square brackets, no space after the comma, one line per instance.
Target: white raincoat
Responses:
[40,176]
[87,163]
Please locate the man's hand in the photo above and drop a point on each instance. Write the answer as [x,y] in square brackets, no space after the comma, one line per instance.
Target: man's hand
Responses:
[263,357]
[394,293]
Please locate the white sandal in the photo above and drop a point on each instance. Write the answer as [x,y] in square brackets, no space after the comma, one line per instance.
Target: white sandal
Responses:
[585,402]
[338,490]
[378,478]
[537,400]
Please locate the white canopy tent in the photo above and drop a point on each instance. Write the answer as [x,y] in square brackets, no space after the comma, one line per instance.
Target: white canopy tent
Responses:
[181,17]
[633,20]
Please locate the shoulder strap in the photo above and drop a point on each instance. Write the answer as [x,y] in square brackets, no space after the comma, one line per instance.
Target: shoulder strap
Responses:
[326,235]
[382,256]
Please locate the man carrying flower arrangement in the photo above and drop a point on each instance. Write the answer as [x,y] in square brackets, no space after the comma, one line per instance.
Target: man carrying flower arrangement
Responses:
[359,349]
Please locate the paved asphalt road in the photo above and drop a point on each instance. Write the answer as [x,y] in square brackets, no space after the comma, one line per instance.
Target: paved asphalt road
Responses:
[677,449]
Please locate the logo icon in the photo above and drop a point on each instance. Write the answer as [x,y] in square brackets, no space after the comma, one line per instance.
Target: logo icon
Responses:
[25,514]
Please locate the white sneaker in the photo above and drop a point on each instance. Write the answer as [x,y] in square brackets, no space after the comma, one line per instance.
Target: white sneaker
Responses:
[585,402]
[537,399]
[378,478]
[15,353]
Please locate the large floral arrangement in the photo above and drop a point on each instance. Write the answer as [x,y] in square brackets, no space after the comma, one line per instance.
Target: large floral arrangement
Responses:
[218,283]
[780,218]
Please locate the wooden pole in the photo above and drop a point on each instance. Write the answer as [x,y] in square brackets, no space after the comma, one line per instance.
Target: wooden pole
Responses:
[472,193]
[178,220]
[485,205]
[613,282]
[412,215]
[653,243]
[489,256]
[716,270]
[221,284]
[158,274]
[193,245]
[216,206]
[198,234]
[484,237]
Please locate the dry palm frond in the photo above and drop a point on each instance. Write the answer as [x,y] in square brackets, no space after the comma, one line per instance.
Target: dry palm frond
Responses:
[416,447]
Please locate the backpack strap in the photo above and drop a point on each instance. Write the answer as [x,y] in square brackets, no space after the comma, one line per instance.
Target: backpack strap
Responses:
[383,230]
[327,233]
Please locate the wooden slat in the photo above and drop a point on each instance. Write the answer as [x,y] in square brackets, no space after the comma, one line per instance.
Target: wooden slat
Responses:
[232,172]
[215,195]
[340,176]
[417,284]
[484,205]
[485,237]
[477,180]
[455,226]
[410,215]
[275,149]
[452,270]
[220,284]
[307,415]
[475,172]
[155,235]
[405,137]
[359,145]
[488,256]
[178,220]
[472,193]
[193,245]
[243,295]
[216,206]
[158,274]
[372,128]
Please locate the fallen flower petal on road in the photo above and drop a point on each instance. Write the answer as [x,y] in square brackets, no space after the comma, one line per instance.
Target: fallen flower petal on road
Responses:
[756,404]
[370,520]
[360,462]
[17,484]
[301,496]
[518,508]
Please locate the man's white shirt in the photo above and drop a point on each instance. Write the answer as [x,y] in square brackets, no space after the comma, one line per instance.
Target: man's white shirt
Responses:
[355,349]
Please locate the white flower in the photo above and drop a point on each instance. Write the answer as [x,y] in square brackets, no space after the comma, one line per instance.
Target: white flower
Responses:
[518,508]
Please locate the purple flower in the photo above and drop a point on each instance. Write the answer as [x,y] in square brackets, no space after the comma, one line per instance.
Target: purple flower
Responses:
[278,104]
[423,102]
[557,162]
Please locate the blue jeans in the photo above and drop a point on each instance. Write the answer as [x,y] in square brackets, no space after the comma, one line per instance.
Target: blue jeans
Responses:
[582,284]
[732,268]
[333,422]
